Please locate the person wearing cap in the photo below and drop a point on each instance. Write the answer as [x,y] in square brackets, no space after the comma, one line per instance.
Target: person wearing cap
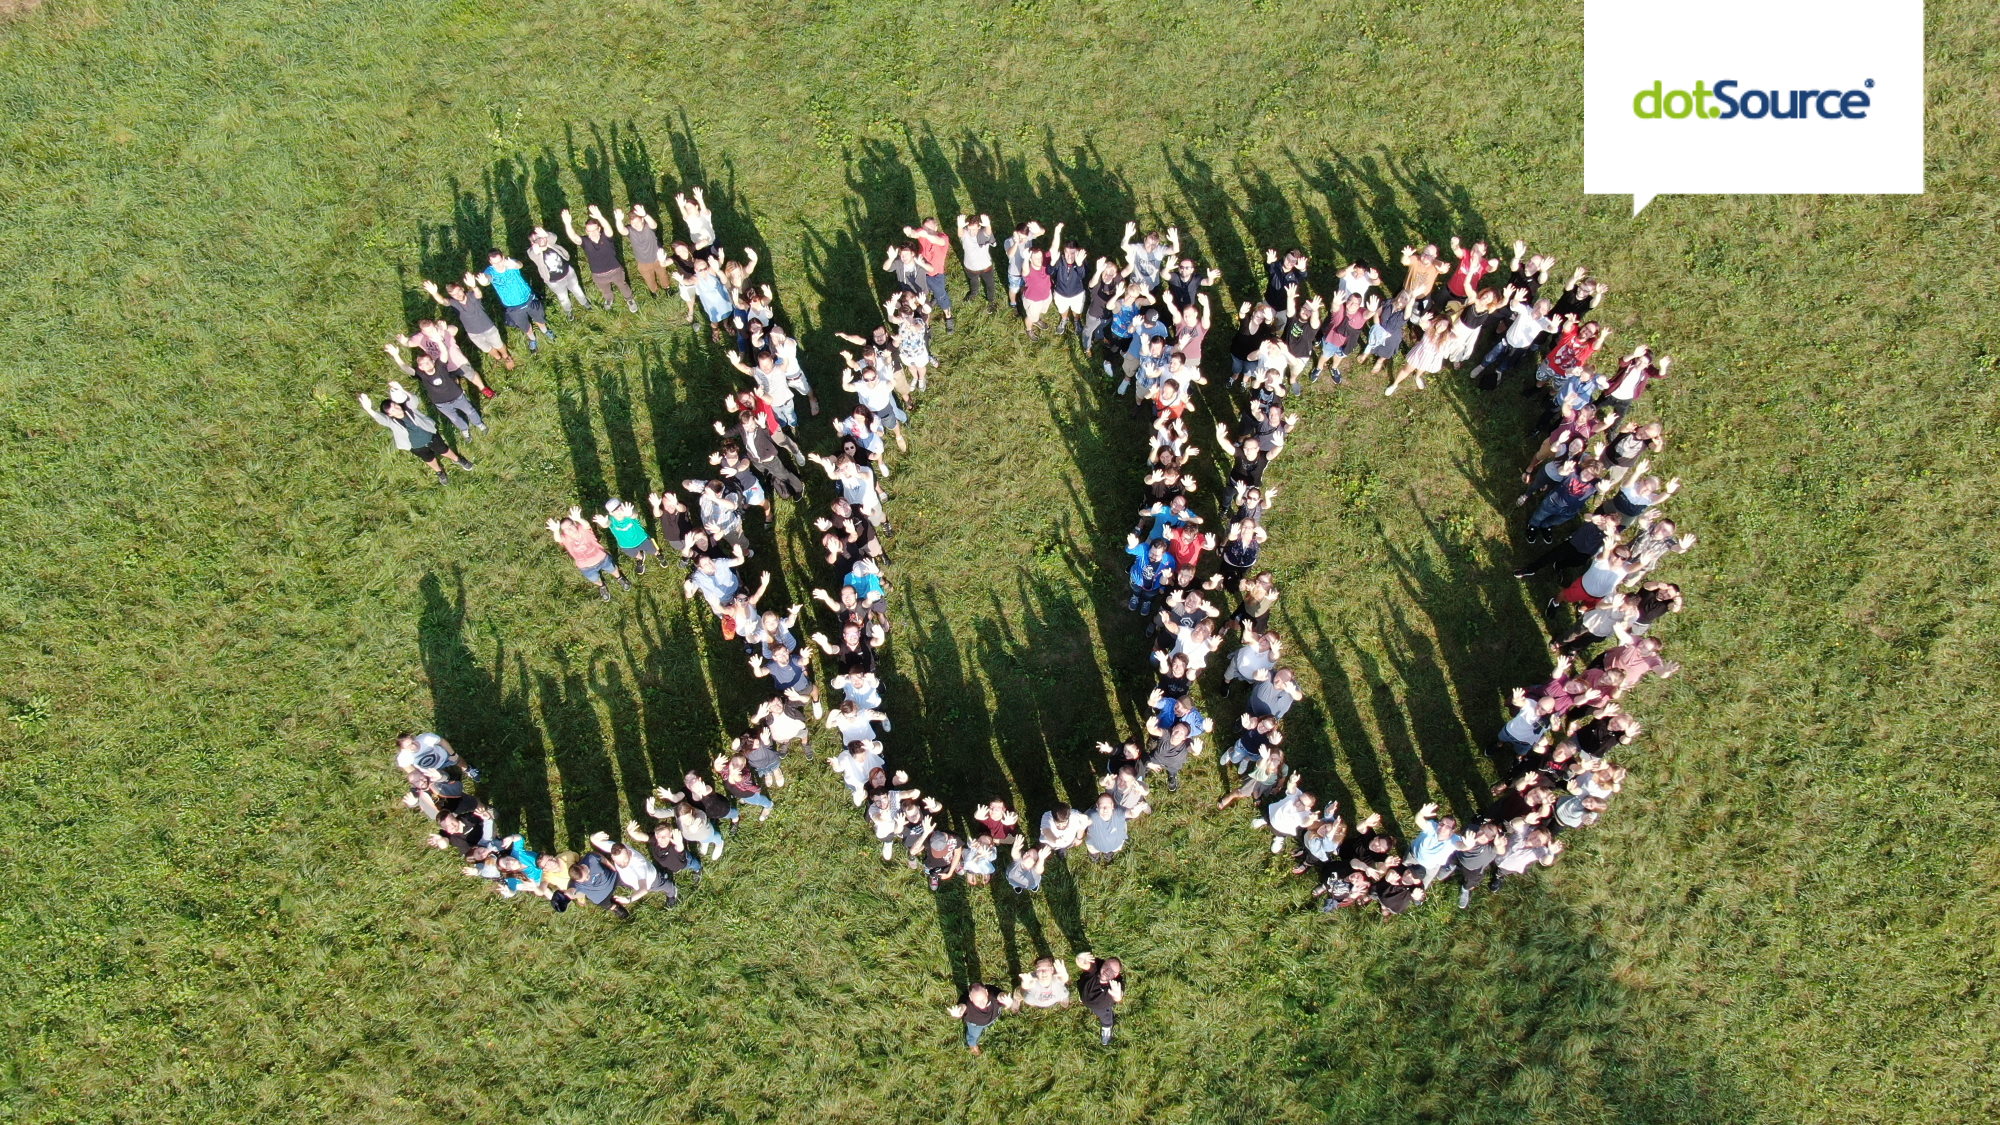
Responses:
[414,433]
[576,537]
[630,534]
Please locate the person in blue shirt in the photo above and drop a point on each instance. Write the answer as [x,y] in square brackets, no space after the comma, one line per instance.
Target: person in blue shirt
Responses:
[523,309]
[1146,327]
[1152,569]
[1168,514]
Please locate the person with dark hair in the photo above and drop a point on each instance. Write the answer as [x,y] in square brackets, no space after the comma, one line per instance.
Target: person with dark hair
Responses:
[981,1005]
[462,298]
[439,382]
[414,433]
[600,250]
[933,250]
[975,256]
[1101,987]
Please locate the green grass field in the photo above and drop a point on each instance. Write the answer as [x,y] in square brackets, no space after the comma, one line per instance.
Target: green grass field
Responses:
[225,592]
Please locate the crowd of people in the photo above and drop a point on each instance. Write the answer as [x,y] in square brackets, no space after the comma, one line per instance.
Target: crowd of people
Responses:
[1195,582]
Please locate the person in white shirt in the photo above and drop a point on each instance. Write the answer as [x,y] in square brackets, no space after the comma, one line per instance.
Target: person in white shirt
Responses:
[1529,322]
[1062,829]
[975,251]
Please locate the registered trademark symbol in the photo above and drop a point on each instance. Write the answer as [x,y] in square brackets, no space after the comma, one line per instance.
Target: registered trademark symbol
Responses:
[1870,83]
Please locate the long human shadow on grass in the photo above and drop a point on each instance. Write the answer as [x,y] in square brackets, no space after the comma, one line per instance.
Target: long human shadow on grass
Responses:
[492,725]
[1545,1029]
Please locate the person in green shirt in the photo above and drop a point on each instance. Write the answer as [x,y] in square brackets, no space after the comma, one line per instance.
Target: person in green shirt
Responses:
[633,541]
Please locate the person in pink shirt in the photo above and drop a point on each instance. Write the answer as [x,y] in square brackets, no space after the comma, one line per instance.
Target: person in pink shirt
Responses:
[577,537]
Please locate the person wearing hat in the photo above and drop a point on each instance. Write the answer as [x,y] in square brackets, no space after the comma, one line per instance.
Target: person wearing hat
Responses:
[413,432]
[580,541]
[630,534]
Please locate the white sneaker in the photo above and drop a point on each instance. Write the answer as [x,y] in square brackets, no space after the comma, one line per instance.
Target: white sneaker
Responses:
[1257,823]
[1277,844]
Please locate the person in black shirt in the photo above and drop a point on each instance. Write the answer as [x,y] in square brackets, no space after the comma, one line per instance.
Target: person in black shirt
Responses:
[1101,987]
[1283,275]
[1581,546]
[1098,297]
[980,1006]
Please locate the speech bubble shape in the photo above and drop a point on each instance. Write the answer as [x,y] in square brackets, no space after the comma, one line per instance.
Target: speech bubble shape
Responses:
[1752,97]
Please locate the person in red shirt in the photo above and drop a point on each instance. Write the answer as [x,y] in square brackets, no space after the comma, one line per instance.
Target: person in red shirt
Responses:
[1473,264]
[1186,544]
[934,250]
[591,560]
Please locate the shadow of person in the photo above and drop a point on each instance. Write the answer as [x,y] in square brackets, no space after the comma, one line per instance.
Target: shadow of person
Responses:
[492,726]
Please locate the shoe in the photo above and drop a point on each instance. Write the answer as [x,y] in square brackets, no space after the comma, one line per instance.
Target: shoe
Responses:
[482,428]
[1173,784]
[1464,897]
[623,583]
[1277,844]
[607,306]
[489,392]
[1123,386]
[631,306]
[1108,373]
[1523,573]
[602,592]
[532,345]
[947,325]
[442,479]
[464,462]
[547,331]
[641,566]
[1257,822]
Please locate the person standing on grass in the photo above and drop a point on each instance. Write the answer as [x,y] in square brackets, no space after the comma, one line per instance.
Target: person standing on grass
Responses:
[1346,322]
[1148,256]
[934,252]
[557,270]
[718,582]
[593,879]
[1530,321]
[1174,743]
[1422,270]
[628,532]
[1262,779]
[600,250]
[975,255]
[462,298]
[1044,986]
[1069,282]
[518,304]
[1473,264]
[1061,829]
[1100,299]
[1104,829]
[1289,816]
[440,386]
[1024,874]
[1570,486]
[694,210]
[576,537]
[413,433]
[1427,355]
[1185,284]
[1101,987]
[439,341]
[1151,572]
[1016,248]
[1385,336]
[1037,289]
[980,1006]
[643,232]
[1284,278]
[1641,496]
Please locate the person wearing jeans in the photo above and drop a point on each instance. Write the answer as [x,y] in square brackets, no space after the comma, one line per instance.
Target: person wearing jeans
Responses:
[934,251]
[1152,569]
[981,1005]
[440,387]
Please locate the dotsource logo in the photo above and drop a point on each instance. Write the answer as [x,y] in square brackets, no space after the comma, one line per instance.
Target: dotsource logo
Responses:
[1722,102]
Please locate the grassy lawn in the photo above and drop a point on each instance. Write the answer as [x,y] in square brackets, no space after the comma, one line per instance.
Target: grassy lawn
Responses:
[225,592]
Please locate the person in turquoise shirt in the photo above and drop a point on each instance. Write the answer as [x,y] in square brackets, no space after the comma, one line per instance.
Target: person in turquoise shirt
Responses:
[523,309]
[630,534]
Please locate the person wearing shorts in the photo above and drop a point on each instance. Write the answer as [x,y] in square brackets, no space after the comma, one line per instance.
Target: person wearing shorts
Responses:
[462,298]
[413,433]
[558,270]
[1069,278]
[576,537]
[600,250]
[628,532]
[643,232]
[975,254]
[518,303]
